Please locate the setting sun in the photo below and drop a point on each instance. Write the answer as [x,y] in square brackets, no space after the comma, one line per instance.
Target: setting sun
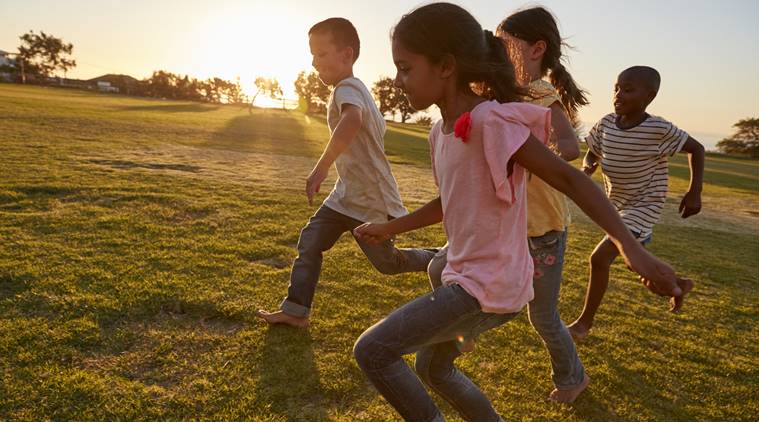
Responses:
[248,45]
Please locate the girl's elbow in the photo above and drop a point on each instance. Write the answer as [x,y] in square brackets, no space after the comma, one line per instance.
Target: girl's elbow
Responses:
[570,150]
[571,155]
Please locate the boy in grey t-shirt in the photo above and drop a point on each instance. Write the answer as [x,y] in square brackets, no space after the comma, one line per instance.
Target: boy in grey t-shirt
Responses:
[365,191]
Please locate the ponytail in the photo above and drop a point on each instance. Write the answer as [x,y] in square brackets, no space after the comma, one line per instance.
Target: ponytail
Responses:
[572,97]
[499,80]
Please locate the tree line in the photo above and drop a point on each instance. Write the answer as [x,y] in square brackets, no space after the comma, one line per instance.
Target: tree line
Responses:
[41,56]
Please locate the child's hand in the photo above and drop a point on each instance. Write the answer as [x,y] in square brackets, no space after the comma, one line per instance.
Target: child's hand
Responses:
[314,181]
[372,233]
[589,169]
[657,275]
[676,302]
[690,205]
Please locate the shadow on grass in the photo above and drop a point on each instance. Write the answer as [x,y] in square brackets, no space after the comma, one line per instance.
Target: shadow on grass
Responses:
[273,132]
[289,384]
[173,108]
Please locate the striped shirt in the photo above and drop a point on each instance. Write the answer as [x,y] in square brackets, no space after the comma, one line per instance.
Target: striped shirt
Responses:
[634,165]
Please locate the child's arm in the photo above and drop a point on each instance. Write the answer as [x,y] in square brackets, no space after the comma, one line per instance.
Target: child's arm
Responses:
[536,158]
[691,203]
[589,163]
[566,138]
[431,213]
[346,130]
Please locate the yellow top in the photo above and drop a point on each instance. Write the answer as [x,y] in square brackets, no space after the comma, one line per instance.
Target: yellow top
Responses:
[547,209]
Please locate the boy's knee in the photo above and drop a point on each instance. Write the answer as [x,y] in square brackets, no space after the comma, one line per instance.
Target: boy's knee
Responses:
[389,263]
[308,240]
[386,267]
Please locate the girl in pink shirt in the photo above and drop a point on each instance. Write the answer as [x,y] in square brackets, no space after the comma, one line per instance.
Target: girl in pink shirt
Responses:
[481,151]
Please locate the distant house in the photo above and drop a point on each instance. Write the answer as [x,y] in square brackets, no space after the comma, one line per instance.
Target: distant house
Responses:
[6,60]
[7,67]
[105,86]
[123,84]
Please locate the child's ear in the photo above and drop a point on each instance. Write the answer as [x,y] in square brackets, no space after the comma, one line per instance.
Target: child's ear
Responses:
[538,49]
[447,66]
[347,54]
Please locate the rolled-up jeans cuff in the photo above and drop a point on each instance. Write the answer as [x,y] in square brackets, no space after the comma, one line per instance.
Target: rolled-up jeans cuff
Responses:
[294,309]
[573,386]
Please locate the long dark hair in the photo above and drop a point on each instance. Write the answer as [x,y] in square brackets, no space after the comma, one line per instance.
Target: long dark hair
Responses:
[536,24]
[437,30]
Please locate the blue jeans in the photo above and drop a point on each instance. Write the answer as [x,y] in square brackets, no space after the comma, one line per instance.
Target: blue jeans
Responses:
[548,254]
[430,326]
[319,235]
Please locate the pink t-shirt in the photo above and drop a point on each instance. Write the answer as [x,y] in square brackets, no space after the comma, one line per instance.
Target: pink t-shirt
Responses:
[484,209]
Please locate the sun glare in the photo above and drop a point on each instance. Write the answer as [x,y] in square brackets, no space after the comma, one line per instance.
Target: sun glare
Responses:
[272,45]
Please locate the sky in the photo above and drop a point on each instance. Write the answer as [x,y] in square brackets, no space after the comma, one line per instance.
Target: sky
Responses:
[706,51]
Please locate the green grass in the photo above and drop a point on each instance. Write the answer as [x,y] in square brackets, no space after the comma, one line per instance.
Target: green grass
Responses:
[138,237]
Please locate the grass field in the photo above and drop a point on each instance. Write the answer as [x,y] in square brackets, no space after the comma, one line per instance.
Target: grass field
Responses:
[138,237]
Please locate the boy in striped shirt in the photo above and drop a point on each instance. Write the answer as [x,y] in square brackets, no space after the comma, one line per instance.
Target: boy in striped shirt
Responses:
[632,147]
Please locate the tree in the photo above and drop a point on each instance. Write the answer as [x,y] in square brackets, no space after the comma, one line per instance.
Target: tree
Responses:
[424,121]
[162,84]
[744,141]
[384,91]
[392,99]
[267,86]
[234,92]
[312,92]
[43,54]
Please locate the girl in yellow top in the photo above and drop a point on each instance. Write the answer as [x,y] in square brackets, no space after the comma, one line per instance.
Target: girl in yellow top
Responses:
[533,43]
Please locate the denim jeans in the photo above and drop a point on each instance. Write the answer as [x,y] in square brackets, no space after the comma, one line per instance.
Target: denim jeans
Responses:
[548,255]
[319,235]
[430,326]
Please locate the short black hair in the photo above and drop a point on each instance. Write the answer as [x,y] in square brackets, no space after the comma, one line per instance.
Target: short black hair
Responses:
[343,33]
[647,75]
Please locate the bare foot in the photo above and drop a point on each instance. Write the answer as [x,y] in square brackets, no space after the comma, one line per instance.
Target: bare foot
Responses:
[578,330]
[570,395]
[280,317]
[676,302]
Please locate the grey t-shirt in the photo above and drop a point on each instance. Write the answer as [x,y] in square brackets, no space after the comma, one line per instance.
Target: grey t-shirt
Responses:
[366,188]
